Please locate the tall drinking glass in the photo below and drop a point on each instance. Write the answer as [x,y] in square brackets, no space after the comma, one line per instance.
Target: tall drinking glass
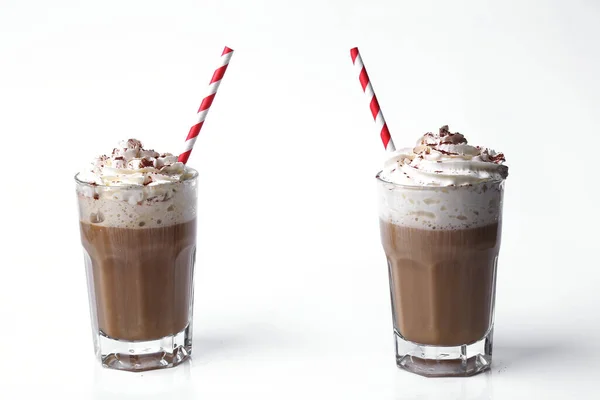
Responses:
[442,273]
[139,247]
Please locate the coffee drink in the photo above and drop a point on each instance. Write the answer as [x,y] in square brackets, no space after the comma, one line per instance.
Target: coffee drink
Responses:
[440,223]
[442,282]
[142,279]
[138,229]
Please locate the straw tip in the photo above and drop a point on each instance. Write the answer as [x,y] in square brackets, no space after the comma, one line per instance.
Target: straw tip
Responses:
[227,50]
[354,53]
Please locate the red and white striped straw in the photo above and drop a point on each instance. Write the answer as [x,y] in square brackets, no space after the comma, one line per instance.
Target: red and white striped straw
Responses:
[365,82]
[205,105]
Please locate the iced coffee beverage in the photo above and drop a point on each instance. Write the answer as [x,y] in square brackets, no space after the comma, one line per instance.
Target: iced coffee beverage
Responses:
[137,214]
[441,219]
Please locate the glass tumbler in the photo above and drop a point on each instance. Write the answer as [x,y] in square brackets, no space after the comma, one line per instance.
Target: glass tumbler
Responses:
[442,245]
[139,247]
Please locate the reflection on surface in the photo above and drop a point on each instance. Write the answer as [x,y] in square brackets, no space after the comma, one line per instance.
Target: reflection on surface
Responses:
[163,384]
[478,387]
[518,356]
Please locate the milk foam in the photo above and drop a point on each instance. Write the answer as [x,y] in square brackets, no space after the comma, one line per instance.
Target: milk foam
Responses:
[454,207]
[137,189]
[442,183]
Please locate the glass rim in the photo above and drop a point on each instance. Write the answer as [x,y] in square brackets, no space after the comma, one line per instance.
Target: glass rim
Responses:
[415,187]
[133,186]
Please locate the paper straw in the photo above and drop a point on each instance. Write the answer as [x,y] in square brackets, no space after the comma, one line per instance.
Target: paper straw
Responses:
[365,82]
[205,105]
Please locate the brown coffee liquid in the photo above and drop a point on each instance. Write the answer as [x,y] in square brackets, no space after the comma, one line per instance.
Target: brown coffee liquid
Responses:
[142,278]
[442,282]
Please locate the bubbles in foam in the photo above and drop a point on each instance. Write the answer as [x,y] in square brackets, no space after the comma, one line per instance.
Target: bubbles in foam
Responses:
[96,218]
[151,212]
[457,207]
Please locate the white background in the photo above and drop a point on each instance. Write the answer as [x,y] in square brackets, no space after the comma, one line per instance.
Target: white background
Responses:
[291,282]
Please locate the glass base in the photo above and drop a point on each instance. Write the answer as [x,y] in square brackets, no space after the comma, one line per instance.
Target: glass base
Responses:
[439,361]
[138,356]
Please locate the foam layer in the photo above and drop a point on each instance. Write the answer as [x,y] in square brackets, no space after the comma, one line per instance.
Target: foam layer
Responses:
[136,188]
[455,207]
[113,206]
[442,183]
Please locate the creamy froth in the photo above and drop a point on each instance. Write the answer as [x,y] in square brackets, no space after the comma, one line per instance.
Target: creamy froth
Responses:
[131,164]
[136,188]
[444,159]
[442,183]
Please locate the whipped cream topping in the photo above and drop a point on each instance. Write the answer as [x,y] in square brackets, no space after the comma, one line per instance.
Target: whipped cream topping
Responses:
[136,188]
[444,159]
[131,164]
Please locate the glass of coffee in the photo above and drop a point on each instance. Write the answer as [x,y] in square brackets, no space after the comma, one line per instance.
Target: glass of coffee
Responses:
[137,213]
[440,208]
